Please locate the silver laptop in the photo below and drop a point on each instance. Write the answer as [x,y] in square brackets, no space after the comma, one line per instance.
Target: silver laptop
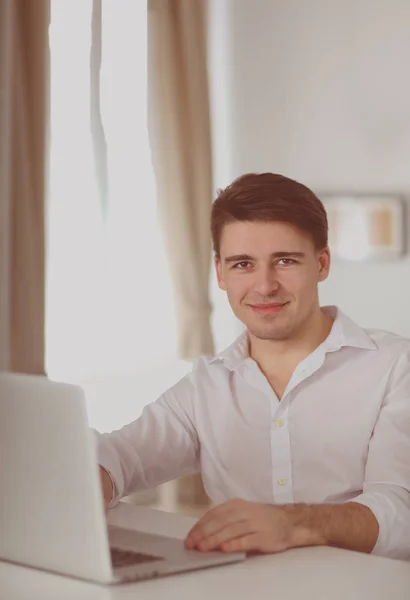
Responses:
[51,508]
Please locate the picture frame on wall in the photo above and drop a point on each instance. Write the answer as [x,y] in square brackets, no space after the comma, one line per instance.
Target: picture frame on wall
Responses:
[365,226]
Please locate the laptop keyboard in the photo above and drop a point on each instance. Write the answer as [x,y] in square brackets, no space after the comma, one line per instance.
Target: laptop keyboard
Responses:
[125,558]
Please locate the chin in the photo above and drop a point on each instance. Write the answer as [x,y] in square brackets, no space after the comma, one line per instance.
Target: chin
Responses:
[270,333]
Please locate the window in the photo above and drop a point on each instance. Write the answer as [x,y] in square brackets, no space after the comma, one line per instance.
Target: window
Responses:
[109,312]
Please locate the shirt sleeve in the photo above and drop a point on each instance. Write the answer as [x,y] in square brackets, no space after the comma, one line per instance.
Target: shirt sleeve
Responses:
[386,489]
[161,445]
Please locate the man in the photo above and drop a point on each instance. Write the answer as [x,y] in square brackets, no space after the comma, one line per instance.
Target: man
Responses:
[301,429]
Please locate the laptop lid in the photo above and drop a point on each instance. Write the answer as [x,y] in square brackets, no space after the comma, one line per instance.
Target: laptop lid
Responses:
[51,508]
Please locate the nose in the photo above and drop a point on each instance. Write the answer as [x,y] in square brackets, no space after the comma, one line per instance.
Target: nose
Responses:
[266,282]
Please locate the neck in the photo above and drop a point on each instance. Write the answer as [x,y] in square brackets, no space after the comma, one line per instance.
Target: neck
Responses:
[313,332]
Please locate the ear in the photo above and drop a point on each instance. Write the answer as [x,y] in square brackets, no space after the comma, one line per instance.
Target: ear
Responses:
[324,264]
[218,270]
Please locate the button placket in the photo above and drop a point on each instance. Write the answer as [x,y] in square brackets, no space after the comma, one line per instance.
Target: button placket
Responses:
[280,455]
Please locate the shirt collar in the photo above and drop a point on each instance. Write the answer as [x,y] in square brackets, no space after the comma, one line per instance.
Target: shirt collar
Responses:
[344,332]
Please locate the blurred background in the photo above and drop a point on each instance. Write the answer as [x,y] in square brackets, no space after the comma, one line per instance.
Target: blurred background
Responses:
[119,120]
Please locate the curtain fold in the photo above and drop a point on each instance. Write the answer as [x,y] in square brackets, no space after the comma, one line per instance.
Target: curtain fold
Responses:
[24,69]
[96,121]
[180,137]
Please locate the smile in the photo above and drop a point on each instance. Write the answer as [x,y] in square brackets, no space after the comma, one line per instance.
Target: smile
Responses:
[267,309]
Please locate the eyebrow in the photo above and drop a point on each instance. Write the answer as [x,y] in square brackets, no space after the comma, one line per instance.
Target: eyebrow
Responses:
[275,255]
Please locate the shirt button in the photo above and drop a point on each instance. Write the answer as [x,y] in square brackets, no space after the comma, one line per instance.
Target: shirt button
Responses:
[282,481]
[279,423]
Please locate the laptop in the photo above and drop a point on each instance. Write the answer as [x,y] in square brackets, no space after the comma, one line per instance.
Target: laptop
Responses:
[52,513]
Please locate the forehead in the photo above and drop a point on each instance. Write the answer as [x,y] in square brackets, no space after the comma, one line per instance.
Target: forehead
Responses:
[263,238]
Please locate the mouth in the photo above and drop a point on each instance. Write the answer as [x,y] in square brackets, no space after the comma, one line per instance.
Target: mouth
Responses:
[268,309]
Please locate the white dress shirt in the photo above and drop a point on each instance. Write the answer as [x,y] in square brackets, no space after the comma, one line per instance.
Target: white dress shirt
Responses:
[340,432]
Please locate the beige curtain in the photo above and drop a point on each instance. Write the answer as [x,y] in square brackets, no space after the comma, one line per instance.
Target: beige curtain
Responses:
[24,67]
[180,137]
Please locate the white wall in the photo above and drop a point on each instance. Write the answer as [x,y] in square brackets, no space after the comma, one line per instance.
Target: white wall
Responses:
[319,90]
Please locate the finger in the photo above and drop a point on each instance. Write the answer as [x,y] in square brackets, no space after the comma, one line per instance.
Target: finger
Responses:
[212,522]
[245,543]
[228,533]
[216,518]
[209,528]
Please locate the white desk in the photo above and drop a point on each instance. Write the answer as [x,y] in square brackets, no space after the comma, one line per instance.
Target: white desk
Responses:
[305,574]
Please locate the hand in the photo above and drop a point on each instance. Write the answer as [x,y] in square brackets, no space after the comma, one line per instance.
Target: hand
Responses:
[241,526]
[106,486]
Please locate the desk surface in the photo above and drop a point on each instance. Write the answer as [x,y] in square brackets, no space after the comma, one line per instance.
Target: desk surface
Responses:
[307,573]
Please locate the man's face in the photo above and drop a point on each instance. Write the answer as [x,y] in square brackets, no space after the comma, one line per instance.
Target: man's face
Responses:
[270,271]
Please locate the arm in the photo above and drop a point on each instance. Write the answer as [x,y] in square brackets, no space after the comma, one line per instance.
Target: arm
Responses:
[383,528]
[377,521]
[386,488]
[159,446]
[239,526]
[351,526]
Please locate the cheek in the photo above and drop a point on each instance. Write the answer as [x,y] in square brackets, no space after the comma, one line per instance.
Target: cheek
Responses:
[237,288]
[296,283]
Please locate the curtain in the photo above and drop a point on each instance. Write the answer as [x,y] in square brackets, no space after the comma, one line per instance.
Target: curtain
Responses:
[180,138]
[179,124]
[24,64]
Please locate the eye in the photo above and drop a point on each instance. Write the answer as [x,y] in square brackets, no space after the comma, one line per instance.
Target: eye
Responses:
[287,262]
[241,266]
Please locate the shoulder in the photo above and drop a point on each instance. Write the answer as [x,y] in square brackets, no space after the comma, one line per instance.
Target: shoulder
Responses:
[394,353]
[196,392]
[209,372]
[389,343]
[205,371]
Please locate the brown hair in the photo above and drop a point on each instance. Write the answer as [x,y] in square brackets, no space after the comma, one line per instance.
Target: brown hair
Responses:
[269,197]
